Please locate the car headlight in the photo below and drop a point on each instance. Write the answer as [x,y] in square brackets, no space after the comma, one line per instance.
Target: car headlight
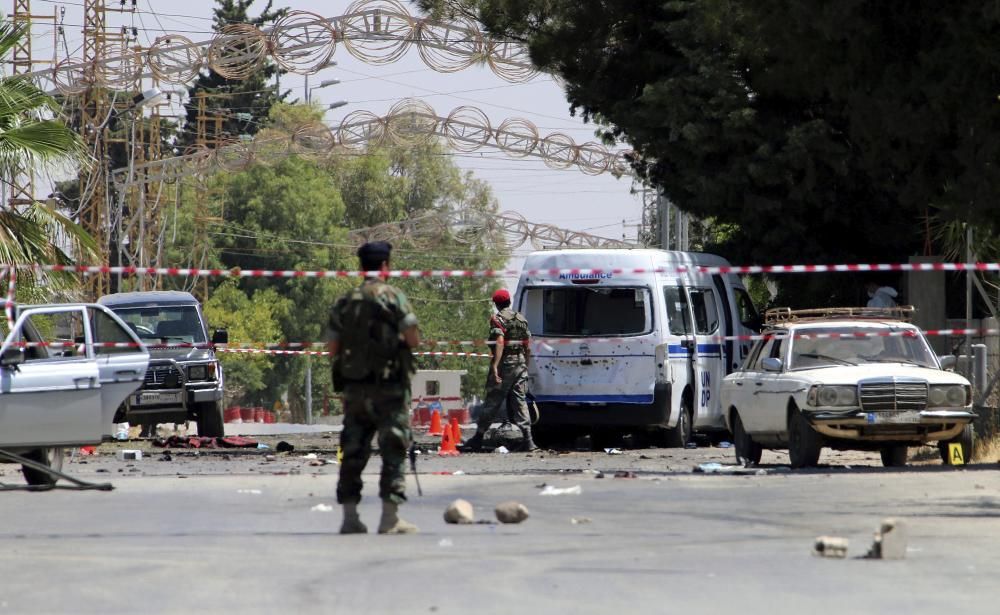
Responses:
[948,395]
[197,372]
[838,395]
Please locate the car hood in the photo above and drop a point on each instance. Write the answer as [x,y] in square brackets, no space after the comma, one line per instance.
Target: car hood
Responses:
[850,374]
[181,354]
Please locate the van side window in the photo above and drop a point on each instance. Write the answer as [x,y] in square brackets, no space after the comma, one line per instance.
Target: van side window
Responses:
[706,311]
[678,316]
[746,310]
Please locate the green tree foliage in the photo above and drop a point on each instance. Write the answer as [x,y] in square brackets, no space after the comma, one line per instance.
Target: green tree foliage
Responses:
[249,320]
[254,95]
[825,131]
[31,138]
[293,212]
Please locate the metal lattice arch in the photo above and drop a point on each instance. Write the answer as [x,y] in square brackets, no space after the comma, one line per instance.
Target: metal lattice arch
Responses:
[465,129]
[374,31]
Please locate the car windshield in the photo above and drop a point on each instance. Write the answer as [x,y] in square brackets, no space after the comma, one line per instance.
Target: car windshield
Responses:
[171,323]
[858,345]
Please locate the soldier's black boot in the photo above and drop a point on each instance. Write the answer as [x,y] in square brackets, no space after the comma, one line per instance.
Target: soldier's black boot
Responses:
[473,444]
[528,443]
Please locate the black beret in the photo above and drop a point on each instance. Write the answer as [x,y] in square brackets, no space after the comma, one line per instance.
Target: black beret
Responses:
[375,250]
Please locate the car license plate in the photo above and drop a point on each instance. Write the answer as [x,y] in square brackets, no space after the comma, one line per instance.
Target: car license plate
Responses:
[149,398]
[891,418]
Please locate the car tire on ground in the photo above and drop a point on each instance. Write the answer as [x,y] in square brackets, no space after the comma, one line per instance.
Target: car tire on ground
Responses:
[894,455]
[967,439]
[49,457]
[210,423]
[747,451]
[680,435]
[804,443]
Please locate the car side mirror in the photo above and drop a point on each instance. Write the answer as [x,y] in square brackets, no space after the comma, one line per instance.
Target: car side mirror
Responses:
[12,357]
[221,336]
[948,361]
[771,364]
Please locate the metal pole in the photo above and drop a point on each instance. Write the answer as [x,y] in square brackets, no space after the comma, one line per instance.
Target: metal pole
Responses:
[309,391]
[663,207]
[308,99]
[968,295]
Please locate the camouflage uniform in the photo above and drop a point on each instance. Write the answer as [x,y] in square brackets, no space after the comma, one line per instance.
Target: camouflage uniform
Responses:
[381,407]
[513,371]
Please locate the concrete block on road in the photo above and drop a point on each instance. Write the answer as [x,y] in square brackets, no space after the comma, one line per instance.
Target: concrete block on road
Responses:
[890,540]
[460,511]
[511,512]
[830,546]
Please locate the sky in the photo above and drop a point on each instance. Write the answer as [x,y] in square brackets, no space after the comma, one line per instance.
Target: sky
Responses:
[601,205]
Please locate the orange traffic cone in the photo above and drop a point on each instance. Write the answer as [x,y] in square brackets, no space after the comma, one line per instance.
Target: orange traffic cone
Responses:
[456,431]
[448,446]
[435,429]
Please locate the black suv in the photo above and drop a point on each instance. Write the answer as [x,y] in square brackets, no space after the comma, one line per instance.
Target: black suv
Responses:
[181,383]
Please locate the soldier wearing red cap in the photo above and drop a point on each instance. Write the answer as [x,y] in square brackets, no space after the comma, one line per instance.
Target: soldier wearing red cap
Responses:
[507,380]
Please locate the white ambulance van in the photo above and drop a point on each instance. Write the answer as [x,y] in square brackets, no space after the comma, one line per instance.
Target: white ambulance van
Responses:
[637,345]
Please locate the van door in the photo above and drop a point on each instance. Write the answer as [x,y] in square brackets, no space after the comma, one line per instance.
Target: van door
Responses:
[709,365]
[681,345]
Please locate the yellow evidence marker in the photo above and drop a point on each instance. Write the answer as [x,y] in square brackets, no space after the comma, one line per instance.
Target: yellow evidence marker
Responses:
[955,455]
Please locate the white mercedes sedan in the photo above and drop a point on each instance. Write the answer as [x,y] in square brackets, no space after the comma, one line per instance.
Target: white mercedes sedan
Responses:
[848,379]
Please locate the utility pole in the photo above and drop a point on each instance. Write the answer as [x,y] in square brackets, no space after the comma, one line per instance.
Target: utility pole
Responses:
[22,180]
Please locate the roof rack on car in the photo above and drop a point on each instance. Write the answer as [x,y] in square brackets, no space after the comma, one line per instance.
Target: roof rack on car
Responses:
[781,315]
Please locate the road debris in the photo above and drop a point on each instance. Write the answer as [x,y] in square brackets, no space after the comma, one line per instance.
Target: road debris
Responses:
[511,512]
[445,543]
[718,468]
[614,451]
[284,447]
[310,456]
[322,508]
[579,520]
[890,540]
[459,512]
[501,450]
[249,491]
[129,455]
[830,546]
[550,490]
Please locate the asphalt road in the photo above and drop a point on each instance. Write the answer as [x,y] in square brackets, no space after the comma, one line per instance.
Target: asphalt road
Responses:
[255,531]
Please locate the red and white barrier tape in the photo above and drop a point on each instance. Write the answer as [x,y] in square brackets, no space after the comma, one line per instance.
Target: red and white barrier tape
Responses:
[580,273]
[288,347]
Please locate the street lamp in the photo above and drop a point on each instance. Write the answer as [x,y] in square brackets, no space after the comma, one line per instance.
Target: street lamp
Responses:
[334,105]
[323,84]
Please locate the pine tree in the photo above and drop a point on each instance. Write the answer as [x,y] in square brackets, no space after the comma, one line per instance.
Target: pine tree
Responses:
[242,103]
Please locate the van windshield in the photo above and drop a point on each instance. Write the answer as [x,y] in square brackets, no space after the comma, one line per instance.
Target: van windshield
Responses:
[590,311]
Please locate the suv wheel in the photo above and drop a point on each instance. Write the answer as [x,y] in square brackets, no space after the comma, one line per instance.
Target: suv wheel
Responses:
[210,424]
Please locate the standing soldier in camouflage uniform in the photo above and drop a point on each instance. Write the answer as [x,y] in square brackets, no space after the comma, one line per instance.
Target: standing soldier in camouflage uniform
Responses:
[372,334]
[507,380]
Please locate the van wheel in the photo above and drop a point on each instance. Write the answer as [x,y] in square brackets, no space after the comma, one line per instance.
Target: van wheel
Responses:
[49,457]
[893,455]
[966,439]
[804,443]
[748,452]
[210,423]
[680,435]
